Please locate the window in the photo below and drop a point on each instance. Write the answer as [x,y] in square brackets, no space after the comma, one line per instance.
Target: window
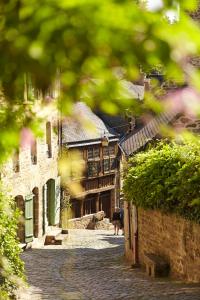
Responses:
[109,162]
[93,152]
[96,152]
[112,150]
[34,153]
[93,168]
[48,139]
[106,165]
[16,166]
[105,151]
[112,164]
[90,153]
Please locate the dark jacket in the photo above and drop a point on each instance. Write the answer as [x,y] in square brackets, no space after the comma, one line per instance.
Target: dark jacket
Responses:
[116,216]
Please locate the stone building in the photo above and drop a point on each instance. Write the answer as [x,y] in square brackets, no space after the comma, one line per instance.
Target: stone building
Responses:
[98,148]
[31,177]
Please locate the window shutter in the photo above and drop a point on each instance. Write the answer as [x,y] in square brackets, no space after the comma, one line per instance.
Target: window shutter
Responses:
[28,218]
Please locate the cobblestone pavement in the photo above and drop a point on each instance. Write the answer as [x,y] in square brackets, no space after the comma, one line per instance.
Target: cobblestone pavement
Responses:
[90,266]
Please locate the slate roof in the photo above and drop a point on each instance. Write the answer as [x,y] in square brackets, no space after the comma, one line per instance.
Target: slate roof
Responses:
[120,123]
[85,127]
[133,142]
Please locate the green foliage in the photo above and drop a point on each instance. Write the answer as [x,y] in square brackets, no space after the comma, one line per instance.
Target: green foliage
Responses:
[11,266]
[86,41]
[166,177]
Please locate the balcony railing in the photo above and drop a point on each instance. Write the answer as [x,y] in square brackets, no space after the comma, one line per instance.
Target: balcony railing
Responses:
[98,183]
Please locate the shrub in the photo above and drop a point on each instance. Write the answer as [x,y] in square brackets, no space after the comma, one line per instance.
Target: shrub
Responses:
[166,177]
[11,266]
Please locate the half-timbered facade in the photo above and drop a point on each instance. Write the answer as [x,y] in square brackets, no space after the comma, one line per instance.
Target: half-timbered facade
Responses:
[98,149]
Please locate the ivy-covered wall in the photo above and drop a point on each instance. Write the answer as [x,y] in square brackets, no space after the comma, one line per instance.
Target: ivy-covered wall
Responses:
[11,266]
[167,178]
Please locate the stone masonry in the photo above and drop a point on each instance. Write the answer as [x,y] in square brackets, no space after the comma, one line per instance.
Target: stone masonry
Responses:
[90,265]
[174,238]
[187,122]
[92,221]
[31,178]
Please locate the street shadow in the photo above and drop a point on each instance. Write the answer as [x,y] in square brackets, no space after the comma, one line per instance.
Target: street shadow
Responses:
[78,273]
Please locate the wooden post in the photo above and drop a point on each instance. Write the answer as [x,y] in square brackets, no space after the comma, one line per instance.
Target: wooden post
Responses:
[112,201]
[97,202]
[135,230]
[100,202]
[82,212]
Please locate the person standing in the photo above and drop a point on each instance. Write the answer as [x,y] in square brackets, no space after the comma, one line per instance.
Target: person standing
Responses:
[116,220]
[122,219]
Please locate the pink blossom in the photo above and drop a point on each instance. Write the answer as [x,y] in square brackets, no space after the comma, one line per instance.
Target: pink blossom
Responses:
[186,101]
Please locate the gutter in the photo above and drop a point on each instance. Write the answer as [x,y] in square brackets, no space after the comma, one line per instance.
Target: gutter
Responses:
[87,142]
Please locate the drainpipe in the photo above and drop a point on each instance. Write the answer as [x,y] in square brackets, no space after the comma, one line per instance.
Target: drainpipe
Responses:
[136,245]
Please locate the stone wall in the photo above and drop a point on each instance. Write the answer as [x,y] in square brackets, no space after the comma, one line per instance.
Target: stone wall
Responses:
[32,177]
[175,239]
[92,221]
[187,122]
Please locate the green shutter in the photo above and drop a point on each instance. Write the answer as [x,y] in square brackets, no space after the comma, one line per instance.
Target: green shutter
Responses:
[57,206]
[28,218]
[51,202]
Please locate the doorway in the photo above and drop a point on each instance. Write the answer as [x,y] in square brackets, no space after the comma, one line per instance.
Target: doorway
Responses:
[105,203]
[51,201]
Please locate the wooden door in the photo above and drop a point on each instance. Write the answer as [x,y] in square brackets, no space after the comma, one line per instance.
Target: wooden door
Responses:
[105,204]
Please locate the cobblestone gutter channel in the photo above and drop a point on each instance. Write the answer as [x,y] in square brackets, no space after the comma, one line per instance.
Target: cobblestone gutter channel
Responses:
[90,266]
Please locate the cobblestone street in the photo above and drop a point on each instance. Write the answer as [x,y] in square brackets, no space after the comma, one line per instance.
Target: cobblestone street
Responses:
[90,266]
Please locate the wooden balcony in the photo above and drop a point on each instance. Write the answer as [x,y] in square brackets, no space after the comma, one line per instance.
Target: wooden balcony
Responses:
[98,183]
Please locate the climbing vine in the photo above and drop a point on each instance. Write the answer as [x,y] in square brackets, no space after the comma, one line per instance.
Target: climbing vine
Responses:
[11,266]
[167,178]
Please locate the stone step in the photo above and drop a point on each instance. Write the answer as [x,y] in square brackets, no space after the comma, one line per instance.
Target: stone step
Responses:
[55,238]
[22,246]
[52,237]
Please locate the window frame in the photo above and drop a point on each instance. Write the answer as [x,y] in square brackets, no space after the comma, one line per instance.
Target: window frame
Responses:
[94,153]
[108,169]
[90,163]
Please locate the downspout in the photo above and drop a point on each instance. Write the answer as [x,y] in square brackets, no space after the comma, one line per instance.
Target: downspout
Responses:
[136,244]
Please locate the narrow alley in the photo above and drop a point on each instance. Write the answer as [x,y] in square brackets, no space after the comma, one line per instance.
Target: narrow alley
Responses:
[90,266]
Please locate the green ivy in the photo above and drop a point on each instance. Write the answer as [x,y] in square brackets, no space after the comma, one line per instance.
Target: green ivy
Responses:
[167,178]
[11,266]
